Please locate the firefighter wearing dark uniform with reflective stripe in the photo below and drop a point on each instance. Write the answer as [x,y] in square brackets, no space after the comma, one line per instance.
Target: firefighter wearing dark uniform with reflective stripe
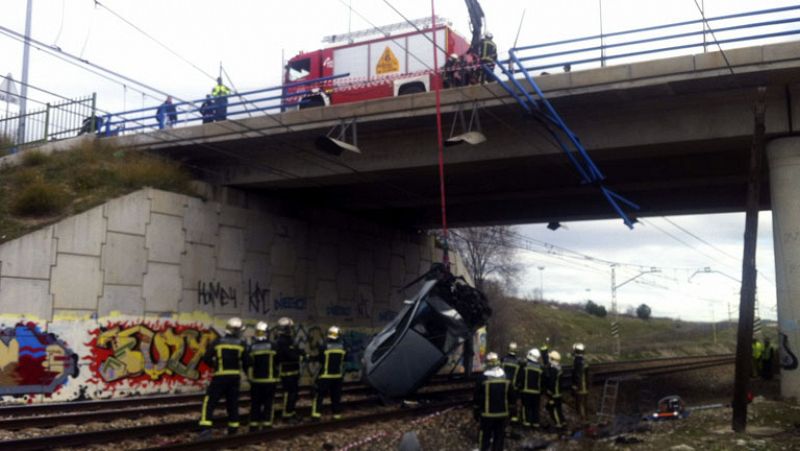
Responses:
[289,357]
[491,404]
[580,380]
[552,386]
[530,388]
[488,54]
[544,351]
[511,368]
[224,356]
[331,375]
[262,371]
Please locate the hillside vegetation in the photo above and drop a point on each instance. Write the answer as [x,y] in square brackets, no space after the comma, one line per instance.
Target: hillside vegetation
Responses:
[529,323]
[48,188]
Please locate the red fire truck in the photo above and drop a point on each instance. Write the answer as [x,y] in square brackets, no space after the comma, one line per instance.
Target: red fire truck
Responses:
[390,65]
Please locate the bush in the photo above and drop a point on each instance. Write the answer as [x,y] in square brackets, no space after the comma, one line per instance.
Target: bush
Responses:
[39,198]
[595,309]
[644,311]
[34,158]
[145,170]
[6,143]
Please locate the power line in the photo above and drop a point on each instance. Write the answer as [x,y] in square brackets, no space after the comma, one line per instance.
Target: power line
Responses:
[149,36]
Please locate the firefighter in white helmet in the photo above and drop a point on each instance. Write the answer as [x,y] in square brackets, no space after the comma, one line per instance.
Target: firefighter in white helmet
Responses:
[580,379]
[530,388]
[452,73]
[491,404]
[289,358]
[224,356]
[331,374]
[552,385]
[261,364]
[511,368]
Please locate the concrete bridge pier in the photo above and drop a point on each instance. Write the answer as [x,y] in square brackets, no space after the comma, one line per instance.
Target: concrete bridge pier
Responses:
[784,168]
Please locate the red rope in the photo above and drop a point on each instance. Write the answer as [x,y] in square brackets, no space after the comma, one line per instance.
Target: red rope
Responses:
[440,138]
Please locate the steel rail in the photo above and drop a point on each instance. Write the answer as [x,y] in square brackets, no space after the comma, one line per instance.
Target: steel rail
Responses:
[170,428]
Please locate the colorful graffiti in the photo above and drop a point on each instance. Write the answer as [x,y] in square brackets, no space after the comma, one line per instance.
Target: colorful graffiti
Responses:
[159,353]
[32,361]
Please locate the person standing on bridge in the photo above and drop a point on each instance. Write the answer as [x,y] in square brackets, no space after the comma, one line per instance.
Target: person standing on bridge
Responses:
[166,114]
[207,109]
[289,357]
[224,356]
[580,380]
[262,371]
[331,375]
[488,55]
[220,94]
[490,406]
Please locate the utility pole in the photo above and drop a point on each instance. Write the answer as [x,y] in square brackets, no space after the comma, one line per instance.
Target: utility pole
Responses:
[541,282]
[26,52]
[602,43]
[614,308]
[744,336]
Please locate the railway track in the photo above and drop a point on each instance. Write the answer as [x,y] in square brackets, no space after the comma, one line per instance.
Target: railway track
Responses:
[166,405]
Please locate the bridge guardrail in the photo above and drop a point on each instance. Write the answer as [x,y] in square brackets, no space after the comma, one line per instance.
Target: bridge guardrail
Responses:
[674,39]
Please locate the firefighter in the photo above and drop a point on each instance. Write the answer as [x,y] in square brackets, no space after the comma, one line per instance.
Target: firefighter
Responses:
[491,404]
[220,93]
[331,375]
[530,388]
[488,55]
[767,360]
[758,349]
[224,356]
[544,350]
[580,380]
[511,368]
[289,357]
[452,72]
[552,385]
[262,371]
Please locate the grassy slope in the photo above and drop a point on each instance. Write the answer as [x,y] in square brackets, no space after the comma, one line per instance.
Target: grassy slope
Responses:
[48,188]
[529,323]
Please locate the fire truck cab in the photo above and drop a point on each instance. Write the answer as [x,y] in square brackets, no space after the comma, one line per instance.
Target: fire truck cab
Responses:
[390,65]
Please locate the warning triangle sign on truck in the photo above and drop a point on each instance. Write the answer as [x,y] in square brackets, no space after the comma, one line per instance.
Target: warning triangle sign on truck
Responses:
[387,63]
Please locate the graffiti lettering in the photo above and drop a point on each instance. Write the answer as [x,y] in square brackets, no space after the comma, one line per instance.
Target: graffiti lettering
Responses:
[258,298]
[339,310]
[788,359]
[32,361]
[212,293]
[290,303]
[142,352]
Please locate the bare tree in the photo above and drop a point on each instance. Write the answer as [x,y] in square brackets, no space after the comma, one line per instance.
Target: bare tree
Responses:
[488,252]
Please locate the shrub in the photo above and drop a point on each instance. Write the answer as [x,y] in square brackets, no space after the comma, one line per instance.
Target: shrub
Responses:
[34,158]
[39,198]
[6,143]
[145,170]
[644,311]
[595,309]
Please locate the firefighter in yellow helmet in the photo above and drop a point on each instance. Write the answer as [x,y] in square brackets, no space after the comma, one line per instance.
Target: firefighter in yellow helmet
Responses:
[224,356]
[289,357]
[511,368]
[552,385]
[530,388]
[331,374]
[262,371]
[580,379]
[491,404]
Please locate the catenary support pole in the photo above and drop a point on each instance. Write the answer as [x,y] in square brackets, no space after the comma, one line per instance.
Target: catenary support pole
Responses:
[440,138]
[744,337]
[23,95]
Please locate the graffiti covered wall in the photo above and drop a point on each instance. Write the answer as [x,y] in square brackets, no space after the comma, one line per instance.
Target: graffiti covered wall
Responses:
[124,299]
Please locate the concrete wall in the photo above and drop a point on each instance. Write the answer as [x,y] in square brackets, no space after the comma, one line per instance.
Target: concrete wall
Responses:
[125,297]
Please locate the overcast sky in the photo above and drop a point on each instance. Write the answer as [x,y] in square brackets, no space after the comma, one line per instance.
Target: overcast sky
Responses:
[249,37]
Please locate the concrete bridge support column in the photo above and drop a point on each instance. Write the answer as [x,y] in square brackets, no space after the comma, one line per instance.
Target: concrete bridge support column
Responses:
[784,166]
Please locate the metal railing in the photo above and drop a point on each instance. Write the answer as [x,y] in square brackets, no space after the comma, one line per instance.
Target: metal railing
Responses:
[237,105]
[680,38]
[53,122]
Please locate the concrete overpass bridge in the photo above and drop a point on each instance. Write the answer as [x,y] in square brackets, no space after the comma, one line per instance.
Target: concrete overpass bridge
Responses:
[672,135]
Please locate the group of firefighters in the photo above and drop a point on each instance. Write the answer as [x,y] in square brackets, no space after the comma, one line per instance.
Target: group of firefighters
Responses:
[266,364]
[467,69]
[511,381]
